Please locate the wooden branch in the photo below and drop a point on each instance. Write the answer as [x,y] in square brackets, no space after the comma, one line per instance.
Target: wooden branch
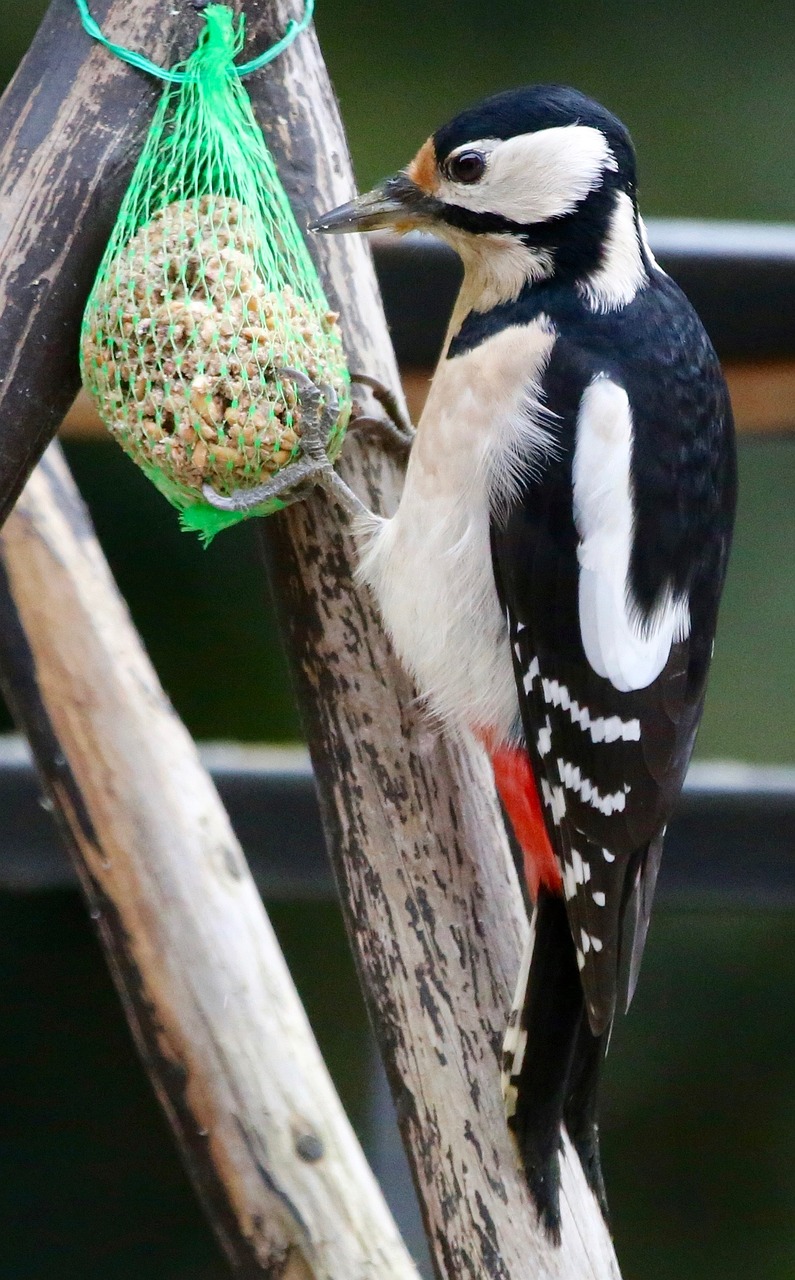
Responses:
[427,883]
[203,983]
[71,122]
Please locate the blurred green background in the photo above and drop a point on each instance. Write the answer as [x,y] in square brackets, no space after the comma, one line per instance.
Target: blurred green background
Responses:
[700,1105]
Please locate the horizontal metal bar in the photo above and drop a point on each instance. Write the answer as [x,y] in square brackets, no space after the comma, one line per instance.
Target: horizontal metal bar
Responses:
[740,276]
[731,843]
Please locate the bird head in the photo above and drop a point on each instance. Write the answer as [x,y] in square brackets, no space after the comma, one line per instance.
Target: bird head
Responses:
[530,184]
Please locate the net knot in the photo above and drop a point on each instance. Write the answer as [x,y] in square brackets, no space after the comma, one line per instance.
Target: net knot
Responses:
[221,40]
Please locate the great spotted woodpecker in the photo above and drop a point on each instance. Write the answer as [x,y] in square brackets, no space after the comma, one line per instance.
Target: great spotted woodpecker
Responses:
[552,574]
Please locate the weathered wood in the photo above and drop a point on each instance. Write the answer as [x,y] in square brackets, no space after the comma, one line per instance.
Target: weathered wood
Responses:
[71,123]
[427,883]
[203,983]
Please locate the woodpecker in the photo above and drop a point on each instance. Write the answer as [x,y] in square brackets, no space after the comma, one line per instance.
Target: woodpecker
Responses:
[552,574]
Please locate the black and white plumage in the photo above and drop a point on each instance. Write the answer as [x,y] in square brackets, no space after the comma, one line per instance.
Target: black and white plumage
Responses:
[609,566]
[553,572]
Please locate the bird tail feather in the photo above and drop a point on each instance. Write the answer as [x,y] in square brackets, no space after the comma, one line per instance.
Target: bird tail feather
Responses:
[544,1081]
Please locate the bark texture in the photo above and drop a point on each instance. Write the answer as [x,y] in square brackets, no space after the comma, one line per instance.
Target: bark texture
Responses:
[71,124]
[426,879]
[204,985]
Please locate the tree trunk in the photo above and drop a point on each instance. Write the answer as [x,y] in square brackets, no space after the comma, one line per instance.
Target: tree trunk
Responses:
[203,983]
[426,879]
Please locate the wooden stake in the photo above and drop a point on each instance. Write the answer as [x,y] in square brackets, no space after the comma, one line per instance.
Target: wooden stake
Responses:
[203,983]
[427,883]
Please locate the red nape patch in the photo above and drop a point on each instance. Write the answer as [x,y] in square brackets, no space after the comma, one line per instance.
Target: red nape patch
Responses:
[513,775]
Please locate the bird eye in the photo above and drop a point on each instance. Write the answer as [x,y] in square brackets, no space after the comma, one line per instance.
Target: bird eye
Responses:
[467,166]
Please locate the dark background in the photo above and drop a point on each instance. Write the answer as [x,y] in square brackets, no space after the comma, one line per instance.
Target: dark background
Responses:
[699,1101]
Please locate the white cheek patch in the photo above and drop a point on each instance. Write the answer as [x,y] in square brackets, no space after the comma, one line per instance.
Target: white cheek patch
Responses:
[535,176]
[627,654]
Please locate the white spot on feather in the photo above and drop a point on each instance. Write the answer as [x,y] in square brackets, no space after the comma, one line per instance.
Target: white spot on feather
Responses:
[601,728]
[576,871]
[588,942]
[569,881]
[555,801]
[608,803]
[619,647]
[530,675]
[582,869]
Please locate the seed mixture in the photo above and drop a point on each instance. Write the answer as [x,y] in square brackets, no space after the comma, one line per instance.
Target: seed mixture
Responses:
[183,344]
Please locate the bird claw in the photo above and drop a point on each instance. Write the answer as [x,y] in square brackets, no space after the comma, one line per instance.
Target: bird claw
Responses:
[319,414]
[395,429]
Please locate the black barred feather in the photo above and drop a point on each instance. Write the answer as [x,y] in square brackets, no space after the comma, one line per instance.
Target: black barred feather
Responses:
[614,761]
[609,763]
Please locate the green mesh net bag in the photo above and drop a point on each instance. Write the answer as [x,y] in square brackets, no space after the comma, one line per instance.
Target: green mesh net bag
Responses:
[207,316]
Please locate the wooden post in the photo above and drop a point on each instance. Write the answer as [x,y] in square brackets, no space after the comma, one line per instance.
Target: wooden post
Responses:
[203,983]
[71,124]
[427,883]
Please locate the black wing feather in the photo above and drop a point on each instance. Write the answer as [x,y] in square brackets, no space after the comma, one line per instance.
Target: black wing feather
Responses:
[609,860]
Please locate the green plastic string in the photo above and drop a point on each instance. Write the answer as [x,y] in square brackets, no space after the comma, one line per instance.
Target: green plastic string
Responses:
[178,77]
[206,298]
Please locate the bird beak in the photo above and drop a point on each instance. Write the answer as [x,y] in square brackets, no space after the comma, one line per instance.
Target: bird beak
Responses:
[398,203]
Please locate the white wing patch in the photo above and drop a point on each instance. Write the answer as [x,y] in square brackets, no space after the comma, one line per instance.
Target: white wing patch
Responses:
[628,653]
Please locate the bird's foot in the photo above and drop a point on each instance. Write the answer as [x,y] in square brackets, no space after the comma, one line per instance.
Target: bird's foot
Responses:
[393,427]
[319,414]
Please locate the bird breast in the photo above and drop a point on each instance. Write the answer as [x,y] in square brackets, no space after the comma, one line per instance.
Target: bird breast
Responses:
[430,566]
